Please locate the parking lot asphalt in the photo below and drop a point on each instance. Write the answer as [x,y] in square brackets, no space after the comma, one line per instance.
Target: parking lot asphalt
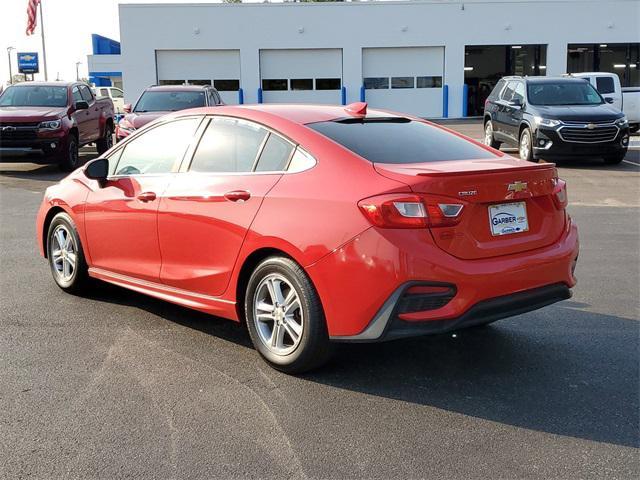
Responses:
[116,384]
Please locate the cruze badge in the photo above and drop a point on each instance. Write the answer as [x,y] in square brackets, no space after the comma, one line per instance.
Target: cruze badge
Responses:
[517,187]
[467,193]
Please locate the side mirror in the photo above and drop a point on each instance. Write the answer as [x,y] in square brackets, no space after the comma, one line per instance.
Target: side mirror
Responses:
[127,108]
[81,105]
[98,170]
[609,100]
[517,103]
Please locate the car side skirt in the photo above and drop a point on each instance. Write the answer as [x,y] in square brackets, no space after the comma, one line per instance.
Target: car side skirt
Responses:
[204,303]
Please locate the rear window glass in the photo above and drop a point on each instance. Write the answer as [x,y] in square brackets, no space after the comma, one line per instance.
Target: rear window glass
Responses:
[399,140]
[605,85]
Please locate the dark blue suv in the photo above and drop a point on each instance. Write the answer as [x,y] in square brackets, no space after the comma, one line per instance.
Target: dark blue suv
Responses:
[554,118]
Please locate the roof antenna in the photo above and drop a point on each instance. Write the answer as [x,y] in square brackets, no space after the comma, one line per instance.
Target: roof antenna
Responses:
[357,108]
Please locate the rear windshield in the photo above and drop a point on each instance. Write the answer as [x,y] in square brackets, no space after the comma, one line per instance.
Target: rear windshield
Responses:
[399,140]
[34,96]
[169,101]
[563,93]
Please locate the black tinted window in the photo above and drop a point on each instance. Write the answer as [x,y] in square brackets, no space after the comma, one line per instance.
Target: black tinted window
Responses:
[497,89]
[563,93]
[328,84]
[275,155]
[86,93]
[158,101]
[227,85]
[399,140]
[605,85]
[228,145]
[157,149]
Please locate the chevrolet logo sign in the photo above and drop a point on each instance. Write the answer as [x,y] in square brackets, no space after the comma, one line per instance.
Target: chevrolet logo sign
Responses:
[517,187]
[591,126]
[9,128]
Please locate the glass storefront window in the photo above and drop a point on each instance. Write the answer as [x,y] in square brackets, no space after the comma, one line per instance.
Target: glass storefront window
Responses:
[620,58]
[486,64]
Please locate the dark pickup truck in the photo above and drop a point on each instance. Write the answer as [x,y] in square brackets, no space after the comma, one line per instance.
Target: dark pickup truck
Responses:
[52,120]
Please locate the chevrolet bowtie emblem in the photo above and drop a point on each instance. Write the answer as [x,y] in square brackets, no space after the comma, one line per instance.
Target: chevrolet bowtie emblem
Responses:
[591,126]
[517,187]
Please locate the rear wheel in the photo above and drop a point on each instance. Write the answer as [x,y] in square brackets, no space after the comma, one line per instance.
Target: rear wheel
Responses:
[285,318]
[65,255]
[71,159]
[105,143]
[526,145]
[488,135]
[615,158]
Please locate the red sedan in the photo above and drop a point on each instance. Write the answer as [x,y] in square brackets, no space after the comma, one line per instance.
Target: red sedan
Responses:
[314,225]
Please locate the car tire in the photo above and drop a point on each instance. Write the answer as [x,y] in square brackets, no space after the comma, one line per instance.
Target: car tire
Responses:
[489,139]
[525,145]
[284,317]
[71,159]
[66,256]
[615,158]
[105,143]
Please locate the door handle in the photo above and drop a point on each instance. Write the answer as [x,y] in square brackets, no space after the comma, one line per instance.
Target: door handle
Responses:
[237,196]
[147,196]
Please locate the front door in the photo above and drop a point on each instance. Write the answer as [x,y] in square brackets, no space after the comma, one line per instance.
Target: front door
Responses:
[207,210]
[82,117]
[121,217]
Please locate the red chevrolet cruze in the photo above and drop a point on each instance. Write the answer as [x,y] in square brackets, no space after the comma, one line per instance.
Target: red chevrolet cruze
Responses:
[315,224]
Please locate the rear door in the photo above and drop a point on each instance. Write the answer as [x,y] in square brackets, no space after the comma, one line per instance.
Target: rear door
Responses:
[209,207]
[501,123]
[513,113]
[92,124]
[82,117]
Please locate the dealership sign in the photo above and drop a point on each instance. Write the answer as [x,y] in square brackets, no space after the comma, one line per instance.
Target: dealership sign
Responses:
[28,62]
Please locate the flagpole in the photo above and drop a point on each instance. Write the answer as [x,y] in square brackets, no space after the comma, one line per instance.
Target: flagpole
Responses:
[44,51]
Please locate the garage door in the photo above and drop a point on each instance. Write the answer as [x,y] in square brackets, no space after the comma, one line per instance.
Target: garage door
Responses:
[220,68]
[406,79]
[301,75]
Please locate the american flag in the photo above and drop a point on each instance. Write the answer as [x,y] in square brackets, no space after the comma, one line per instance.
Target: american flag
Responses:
[32,7]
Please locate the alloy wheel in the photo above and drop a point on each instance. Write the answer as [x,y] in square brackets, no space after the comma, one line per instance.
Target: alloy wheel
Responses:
[278,314]
[488,134]
[525,145]
[64,253]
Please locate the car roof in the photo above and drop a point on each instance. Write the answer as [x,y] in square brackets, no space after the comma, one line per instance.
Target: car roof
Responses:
[177,88]
[544,79]
[46,84]
[295,113]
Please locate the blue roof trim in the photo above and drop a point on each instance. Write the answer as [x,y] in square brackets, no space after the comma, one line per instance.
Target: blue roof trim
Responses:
[105,74]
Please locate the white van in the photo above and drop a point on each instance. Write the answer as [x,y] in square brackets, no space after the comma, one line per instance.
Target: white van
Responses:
[626,99]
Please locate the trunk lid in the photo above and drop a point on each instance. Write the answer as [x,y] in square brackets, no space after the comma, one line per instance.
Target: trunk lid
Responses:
[479,185]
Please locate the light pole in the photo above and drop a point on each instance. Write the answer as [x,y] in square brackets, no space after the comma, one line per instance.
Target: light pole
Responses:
[77,74]
[9,58]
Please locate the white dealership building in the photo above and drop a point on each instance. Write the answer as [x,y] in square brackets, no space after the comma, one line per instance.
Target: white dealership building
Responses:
[434,58]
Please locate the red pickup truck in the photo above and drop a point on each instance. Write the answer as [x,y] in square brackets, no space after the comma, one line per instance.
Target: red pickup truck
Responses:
[53,120]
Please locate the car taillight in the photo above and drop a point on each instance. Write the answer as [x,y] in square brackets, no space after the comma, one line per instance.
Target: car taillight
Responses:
[409,211]
[560,194]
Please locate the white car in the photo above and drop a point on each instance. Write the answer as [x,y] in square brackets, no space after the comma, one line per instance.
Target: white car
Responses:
[115,94]
[626,99]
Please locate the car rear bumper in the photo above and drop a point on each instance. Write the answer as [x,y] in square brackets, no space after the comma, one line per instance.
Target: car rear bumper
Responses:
[361,301]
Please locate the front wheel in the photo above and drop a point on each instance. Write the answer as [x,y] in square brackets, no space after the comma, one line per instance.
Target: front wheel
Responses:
[65,254]
[526,145]
[285,318]
[489,140]
[616,158]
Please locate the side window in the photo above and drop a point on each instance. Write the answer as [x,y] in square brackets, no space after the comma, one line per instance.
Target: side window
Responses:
[228,145]
[117,93]
[496,90]
[157,150]
[275,154]
[507,93]
[301,161]
[605,85]
[518,94]
[104,92]
[86,93]
[76,95]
